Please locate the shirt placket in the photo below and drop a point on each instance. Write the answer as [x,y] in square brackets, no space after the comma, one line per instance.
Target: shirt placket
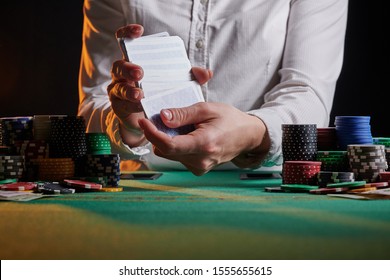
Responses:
[198,43]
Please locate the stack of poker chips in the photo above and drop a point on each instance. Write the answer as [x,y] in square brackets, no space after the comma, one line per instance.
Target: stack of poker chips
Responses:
[301,172]
[107,166]
[352,187]
[328,177]
[98,144]
[385,141]
[31,150]
[384,176]
[68,140]
[11,167]
[55,169]
[299,142]
[367,161]
[327,139]
[42,126]
[5,150]
[353,130]
[333,160]
[15,128]
[67,137]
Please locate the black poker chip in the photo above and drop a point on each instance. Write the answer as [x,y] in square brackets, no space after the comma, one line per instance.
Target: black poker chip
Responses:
[299,142]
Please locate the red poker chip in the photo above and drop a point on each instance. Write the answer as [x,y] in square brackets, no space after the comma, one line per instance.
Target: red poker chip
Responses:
[302,162]
[377,185]
[329,190]
[18,186]
[83,184]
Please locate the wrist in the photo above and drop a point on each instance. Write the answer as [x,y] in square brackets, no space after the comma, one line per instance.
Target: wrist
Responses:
[258,147]
[131,136]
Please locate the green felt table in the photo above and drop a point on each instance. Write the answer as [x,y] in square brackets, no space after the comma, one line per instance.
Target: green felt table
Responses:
[182,216]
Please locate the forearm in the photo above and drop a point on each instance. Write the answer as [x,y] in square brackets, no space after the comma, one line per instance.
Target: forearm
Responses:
[311,65]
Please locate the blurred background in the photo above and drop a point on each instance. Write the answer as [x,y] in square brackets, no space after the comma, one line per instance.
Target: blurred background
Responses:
[40,46]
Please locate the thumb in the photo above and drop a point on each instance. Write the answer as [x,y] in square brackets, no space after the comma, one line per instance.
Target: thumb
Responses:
[177,117]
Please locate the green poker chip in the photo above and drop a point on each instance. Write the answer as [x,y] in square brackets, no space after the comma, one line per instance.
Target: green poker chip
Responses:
[297,187]
[8,181]
[354,184]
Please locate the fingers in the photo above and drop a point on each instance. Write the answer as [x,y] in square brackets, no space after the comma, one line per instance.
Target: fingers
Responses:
[194,114]
[131,31]
[170,145]
[124,91]
[123,70]
[202,75]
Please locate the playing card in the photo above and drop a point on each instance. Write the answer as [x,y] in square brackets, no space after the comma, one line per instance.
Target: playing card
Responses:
[167,81]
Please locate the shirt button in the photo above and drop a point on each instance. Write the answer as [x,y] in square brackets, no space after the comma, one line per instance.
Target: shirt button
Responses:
[199,44]
[203,2]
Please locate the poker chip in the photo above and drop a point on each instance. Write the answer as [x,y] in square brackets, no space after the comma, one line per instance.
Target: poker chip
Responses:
[377,185]
[98,144]
[333,160]
[297,188]
[327,139]
[354,184]
[104,166]
[18,186]
[300,172]
[82,184]
[384,176]
[6,150]
[67,137]
[54,188]
[100,180]
[299,142]
[111,189]
[329,190]
[367,161]
[273,189]
[15,128]
[42,126]
[360,190]
[385,141]
[7,181]
[55,169]
[12,167]
[328,177]
[353,130]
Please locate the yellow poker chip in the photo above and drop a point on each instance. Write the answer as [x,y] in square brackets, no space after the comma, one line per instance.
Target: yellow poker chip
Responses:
[360,190]
[111,189]
[54,160]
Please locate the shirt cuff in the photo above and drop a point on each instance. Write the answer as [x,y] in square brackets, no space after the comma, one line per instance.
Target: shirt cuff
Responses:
[274,156]
[117,145]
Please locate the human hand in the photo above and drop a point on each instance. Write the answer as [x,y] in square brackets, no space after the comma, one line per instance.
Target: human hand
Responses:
[223,133]
[124,94]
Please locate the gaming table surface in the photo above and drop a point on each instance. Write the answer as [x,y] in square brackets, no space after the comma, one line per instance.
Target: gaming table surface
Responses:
[182,216]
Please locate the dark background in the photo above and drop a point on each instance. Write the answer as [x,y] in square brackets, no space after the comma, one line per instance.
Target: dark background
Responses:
[40,46]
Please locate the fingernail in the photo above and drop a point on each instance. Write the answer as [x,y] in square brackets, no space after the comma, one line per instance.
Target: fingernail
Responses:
[135,29]
[136,73]
[167,114]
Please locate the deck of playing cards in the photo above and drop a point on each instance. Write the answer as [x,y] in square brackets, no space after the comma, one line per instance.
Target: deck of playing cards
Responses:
[167,81]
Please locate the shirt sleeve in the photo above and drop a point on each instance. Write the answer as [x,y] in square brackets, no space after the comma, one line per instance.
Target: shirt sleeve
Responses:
[311,65]
[99,50]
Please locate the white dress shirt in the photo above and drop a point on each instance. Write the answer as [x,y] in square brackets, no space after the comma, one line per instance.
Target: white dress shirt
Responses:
[276,59]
